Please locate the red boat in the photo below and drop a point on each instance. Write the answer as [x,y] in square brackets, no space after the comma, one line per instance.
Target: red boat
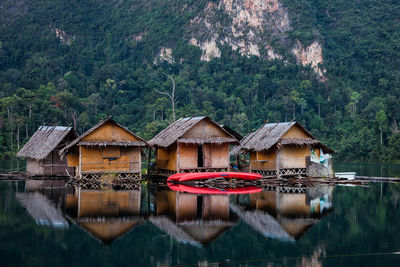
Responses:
[214,191]
[182,177]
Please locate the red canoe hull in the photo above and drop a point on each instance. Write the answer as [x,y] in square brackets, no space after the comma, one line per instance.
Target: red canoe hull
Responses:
[182,177]
[214,191]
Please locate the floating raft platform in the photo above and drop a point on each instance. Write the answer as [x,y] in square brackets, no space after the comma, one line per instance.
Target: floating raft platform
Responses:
[26,176]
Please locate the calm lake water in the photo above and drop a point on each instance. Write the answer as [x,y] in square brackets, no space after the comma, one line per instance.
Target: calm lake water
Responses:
[48,224]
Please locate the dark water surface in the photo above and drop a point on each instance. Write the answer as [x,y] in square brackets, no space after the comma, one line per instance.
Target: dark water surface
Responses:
[48,224]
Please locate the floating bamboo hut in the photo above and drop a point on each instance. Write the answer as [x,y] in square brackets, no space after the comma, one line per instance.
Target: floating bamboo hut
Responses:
[42,151]
[196,144]
[106,151]
[284,150]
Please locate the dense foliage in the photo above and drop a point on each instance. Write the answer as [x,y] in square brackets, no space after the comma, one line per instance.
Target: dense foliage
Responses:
[74,62]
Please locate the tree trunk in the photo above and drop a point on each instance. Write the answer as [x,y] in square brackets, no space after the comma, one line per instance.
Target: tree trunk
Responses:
[18,136]
[294,110]
[11,139]
[74,117]
[173,98]
[26,130]
[286,111]
[319,109]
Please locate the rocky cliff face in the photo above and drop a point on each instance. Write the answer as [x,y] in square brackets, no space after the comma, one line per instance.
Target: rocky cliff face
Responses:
[250,27]
[310,55]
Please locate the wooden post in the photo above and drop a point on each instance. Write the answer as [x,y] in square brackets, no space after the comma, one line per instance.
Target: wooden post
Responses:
[278,152]
[178,157]
[80,162]
[18,136]
[52,162]
[148,163]
[156,159]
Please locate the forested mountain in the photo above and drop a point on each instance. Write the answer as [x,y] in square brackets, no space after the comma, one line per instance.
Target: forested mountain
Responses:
[332,65]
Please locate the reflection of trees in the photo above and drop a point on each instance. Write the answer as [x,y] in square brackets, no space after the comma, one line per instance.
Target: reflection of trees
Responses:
[371,228]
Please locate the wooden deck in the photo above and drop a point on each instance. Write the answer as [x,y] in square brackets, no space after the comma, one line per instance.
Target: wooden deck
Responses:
[25,176]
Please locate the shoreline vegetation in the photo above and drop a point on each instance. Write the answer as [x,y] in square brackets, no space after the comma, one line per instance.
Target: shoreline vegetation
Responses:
[73,64]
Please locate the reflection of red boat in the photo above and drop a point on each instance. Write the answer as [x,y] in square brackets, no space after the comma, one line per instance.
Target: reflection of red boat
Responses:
[205,190]
[181,177]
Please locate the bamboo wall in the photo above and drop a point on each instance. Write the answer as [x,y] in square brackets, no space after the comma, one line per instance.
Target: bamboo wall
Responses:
[293,156]
[214,156]
[167,158]
[263,160]
[219,155]
[51,165]
[33,166]
[188,156]
[295,132]
[205,129]
[73,159]
[110,132]
[110,159]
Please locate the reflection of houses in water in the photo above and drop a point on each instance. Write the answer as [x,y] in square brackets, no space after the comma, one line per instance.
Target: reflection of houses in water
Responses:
[284,216]
[190,218]
[106,215]
[37,199]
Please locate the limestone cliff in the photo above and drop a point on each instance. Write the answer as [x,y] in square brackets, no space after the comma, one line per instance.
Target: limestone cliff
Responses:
[251,27]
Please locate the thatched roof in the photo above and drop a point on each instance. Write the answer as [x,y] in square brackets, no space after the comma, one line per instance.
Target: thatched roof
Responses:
[45,140]
[196,233]
[166,225]
[271,134]
[206,232]
[263,223]
[42,210]
[176,130]
[108,229]
[78,141]
[233,132]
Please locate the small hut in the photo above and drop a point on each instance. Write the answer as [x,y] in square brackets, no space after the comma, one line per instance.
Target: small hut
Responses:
[42,151]
[107,149]
[195,144]
[286,149]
